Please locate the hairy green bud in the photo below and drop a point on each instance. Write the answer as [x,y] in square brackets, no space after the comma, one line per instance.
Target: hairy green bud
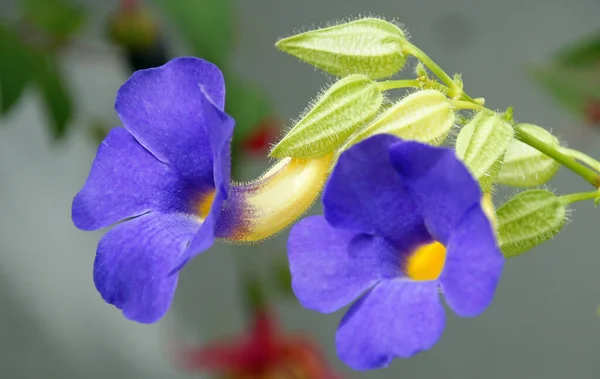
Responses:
[344,108]
[369,46]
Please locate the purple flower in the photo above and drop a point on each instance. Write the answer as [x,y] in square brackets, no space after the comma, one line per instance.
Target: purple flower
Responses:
[403,222]
[165,175]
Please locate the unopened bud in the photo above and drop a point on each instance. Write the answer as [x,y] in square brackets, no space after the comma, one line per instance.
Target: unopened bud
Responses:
[482,143]
[425,116]
[369,46]
[528,219]
[341,110]
[525,166]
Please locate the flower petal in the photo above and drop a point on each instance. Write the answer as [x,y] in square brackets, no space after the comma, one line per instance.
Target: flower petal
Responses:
[163,108]
[134,260]
[220,143]
[473,265]
[126,181]
[439,183]
[365,193]
[332,267]
[395,319]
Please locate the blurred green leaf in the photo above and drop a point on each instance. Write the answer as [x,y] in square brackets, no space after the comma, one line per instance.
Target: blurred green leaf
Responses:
[98,130]
[248,104]
[253,292]
[14,69]
[283,278]
[59,18]
[54,91]
[582,53]
[206,26]
[571,88]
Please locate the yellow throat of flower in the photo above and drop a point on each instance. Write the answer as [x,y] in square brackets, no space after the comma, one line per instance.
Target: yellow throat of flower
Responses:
[427,261]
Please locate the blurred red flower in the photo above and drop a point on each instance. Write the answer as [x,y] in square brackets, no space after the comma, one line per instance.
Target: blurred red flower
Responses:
[261,138]
[264,352]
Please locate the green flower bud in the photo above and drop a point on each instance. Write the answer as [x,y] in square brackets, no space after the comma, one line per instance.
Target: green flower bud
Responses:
[344,108]
[525,166]
[528,219]
[369,46]
[425,116]
[482,143]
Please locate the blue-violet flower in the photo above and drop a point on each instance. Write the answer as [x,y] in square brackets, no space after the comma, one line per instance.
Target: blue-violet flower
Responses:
[166,175]
[403,221]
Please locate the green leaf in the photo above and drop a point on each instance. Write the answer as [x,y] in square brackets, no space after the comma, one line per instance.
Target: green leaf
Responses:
[283,278]
[98,131]
[54,92]
[59,18]
[14,69]
[482,143]
[524,166]
[528,219]
[206,26]
[254,295]
[369,46]
[425,116]
[248,104]
[340,111]
[571,88]
[585,52]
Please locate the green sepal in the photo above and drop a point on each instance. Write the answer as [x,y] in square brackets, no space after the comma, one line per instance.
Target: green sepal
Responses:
[482,143]
[425,116]
[524,166]
[369,46]
[344,108]
[529,219]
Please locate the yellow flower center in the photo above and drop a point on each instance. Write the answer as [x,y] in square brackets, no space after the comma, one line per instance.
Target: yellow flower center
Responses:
[426,262]
[205,204]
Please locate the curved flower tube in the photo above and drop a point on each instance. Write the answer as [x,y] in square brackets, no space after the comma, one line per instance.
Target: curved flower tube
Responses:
[264,207]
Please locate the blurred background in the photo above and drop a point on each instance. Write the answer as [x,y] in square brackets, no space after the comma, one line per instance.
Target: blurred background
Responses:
[61,63]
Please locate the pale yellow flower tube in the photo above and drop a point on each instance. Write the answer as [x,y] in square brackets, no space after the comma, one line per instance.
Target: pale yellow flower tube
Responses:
[264,207]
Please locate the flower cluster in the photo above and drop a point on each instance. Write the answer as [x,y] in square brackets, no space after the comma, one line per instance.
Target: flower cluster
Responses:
[404,221]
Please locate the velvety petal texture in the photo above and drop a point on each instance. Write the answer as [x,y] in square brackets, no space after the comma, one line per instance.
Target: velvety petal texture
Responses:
[395,319]
[126,181]
[220,132]
[163,109]
[439,183]
[389,202]
[332,267]
[473,265]
[172,155]
[133,263]
[364,182]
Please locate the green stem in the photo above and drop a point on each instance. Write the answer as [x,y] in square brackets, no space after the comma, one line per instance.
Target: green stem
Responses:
[395,84]
[584,158]
[410,49]
[572,159]
[592,177]
[460,104]
[580,196]
[454,90]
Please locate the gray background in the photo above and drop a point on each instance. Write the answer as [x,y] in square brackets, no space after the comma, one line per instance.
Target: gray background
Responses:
[53,324]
